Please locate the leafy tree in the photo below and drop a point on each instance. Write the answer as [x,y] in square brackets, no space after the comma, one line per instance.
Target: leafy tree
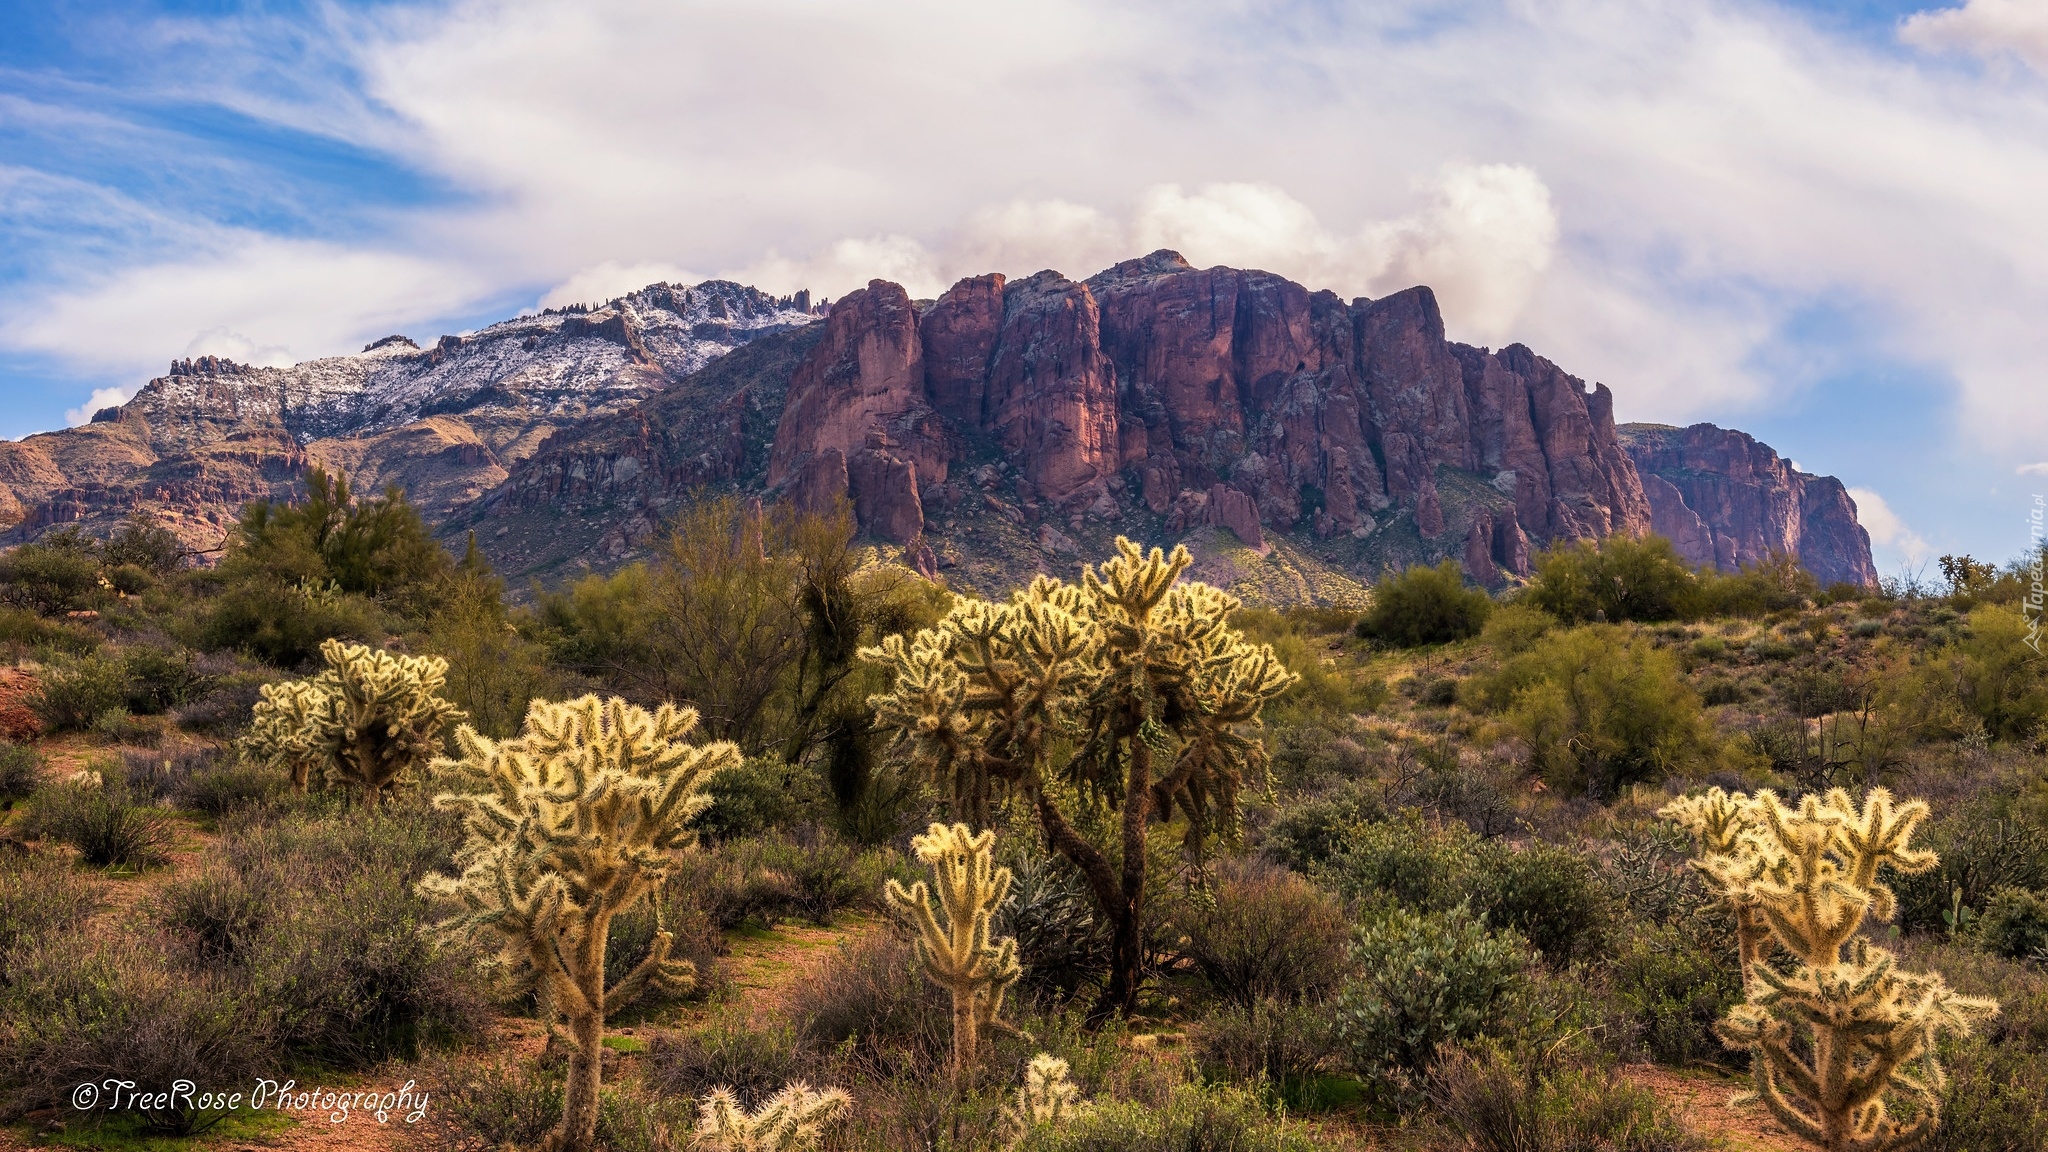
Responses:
[1838,1035]
[51,577]
[1130,690]
[379,548]
[1622,578]
[1425,606]
[1599,709]
[493,671]
[581,819]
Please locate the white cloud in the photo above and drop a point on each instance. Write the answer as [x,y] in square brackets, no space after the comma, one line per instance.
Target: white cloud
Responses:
[100,398]
[1986,28]
[2040,469]
[1887,530]
[1642,191]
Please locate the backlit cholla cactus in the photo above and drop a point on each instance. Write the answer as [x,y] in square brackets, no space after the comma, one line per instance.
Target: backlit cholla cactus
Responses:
[1130,689]
[584,812]
[1837,1034]
[953,940]
[793,1120]
[1048,1097]
[371,717]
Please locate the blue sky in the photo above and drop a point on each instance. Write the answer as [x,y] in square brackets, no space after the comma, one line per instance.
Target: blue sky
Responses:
[1816,222]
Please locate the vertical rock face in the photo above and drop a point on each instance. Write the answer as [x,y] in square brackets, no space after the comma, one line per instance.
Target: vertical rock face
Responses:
[1213,396]
[1726,500]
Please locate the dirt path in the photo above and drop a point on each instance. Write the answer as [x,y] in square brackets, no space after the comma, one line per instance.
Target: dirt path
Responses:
[1701,1099]
[765,966]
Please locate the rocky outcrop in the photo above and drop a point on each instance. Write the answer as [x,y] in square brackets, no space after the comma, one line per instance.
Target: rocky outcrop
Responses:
[1726,501]
[1007,425]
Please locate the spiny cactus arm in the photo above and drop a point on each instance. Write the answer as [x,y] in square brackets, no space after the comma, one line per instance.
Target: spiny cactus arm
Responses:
[1003,971]
[656,973]
[1879,836]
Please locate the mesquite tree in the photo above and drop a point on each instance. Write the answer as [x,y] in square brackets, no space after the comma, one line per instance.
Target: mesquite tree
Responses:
[953,941]
[793,1120]
[365,721]
[1836,1032]
[584,812]
[1130,688]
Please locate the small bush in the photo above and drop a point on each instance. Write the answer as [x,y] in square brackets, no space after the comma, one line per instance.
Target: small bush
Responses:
[107,827]
[161,774]
[82,1009]
[158,680]
[224,788]
[485,1107]
[1425,606]
[75,693]
[730,1051]
[1267,934]
[1427,979]
[1623,578]
[40,897]
[2015,924]
[21,769]
[1288,1046]
[1513,629]
[285,624]
[223,708]
[1867,629]
[1669,989]
[870,999]
[29,632]
[1983,848]
[116,726]
[1193,1119]
[1504,1105]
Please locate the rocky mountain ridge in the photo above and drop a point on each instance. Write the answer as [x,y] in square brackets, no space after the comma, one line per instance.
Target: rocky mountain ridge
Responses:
[1304,441]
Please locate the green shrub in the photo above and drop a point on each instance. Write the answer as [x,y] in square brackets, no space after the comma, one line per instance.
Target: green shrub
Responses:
[1778,584]
[763,793]
[50,580]
[1514,628]
[21,769]
[1426,979]
[158,680]
[74,693]
[1983,848]
[104,823]
[224,708]
[1599,709]
[1267,934]
[1501,1104]
[285,624]
[1193,1119]
[27,631]
[1670,989]
[2015,924]
[1425,606]
[1867,629]
[116,726]
[40,897]
[1061,943]
[1622,578]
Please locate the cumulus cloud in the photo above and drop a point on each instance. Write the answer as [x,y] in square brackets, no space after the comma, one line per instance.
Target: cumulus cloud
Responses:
[100,398]
[1887,530]
[1988,28]
[1642,191]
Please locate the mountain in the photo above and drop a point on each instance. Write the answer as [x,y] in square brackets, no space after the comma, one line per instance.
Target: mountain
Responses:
[1300,442]
[444,422]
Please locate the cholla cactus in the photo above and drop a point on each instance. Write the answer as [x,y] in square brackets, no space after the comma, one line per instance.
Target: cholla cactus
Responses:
[1048,1097]
[957,952]
[792,1121]
[1836,1032]
[584,812]
[365,721]
[1131,687]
